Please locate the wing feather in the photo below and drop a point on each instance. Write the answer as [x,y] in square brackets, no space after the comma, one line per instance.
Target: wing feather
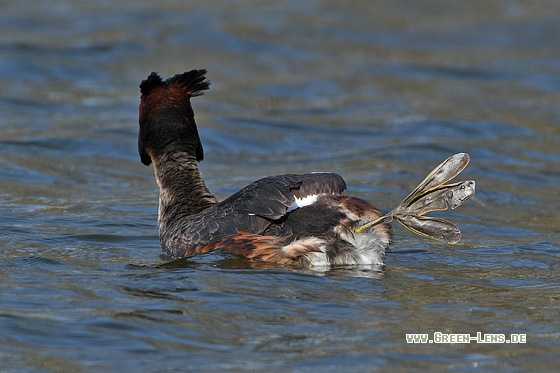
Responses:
[252,210]
[271,197]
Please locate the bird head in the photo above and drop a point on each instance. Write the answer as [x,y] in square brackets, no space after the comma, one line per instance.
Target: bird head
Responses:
[166,117]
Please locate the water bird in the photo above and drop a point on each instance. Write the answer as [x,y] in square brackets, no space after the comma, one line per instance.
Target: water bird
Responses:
[294,219]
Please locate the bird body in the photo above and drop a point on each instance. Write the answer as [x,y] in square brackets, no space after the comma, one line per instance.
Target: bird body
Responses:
[299,219]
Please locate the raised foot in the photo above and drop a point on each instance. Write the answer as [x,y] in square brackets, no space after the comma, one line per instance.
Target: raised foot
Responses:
[432,194]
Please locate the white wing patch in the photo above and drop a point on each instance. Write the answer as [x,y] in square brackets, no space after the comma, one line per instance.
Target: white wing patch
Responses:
[305,201]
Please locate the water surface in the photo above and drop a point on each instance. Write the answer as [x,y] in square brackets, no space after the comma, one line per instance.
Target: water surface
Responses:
[379,92]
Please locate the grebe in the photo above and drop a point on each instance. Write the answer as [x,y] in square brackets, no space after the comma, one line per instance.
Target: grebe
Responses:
[287,219]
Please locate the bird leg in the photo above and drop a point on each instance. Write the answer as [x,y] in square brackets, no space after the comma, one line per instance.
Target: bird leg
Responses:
[432,194]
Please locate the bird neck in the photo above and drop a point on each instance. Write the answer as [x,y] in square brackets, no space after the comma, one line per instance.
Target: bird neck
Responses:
[182,191]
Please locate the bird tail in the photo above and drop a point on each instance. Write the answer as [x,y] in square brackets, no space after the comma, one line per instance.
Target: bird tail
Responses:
[433,194]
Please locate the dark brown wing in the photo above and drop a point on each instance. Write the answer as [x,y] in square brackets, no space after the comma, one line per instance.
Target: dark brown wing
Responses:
[253,209]
[271,197]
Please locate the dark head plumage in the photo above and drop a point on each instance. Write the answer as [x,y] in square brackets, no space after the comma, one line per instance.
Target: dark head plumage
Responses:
[153,81]
[166,117]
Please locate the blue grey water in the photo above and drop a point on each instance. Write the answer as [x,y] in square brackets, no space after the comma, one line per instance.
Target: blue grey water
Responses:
[378,91]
